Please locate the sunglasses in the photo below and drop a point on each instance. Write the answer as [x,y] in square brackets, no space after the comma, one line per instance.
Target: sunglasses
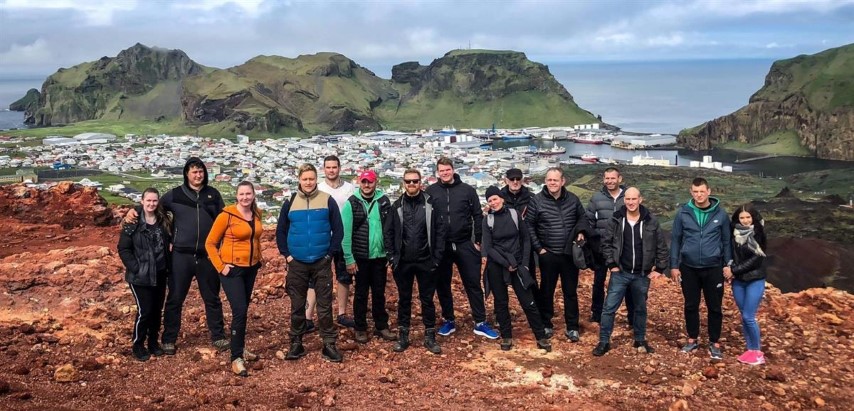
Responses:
[366,181]
[416,181]
[514,178]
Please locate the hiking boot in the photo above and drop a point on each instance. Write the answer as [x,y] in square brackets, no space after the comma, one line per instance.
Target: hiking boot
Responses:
[222,345]
[309,327]
[330,353]
[544,344]
[238,367]
[249,356]
[385,334]
[485,330]
[140,353]
[362,337]
[691,346]
[716,353]
[155,349]
[601,349]
[506,344]
[573,335]
[549,332]
[296,350]
[169,348]
[447,328]
[402,340]
[643,346]
[345,321]
[430,341]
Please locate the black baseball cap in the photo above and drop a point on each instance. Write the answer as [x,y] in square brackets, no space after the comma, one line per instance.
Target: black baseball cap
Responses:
[513,173]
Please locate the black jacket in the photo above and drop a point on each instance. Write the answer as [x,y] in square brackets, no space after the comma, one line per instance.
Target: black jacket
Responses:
[142,249]
[361,227]
[655,252]
[193,213]
[507,246]
[555,222]
[459,206]
[519,201]
[599,211]
[393,227]
[746,265]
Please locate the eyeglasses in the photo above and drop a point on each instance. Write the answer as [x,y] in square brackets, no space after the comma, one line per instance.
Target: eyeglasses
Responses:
[366,181]
[514,178]
[415,181]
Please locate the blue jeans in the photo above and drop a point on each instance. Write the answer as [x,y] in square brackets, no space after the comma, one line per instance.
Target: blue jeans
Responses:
[748,295]
[618,286]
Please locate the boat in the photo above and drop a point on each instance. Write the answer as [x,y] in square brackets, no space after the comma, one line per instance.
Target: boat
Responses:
[589,157]
[554,151]
[589,139]
[514,136]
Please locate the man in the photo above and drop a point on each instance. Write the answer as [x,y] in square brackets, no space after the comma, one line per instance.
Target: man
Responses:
[364,253]
[414,236]
[194,206]
[309,232]
[554,217]
[700,256]
[340,190]
[459,206]
[601,208]
[515,194]
[635,253]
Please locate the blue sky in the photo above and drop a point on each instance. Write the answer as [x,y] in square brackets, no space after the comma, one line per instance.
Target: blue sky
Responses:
[37,37]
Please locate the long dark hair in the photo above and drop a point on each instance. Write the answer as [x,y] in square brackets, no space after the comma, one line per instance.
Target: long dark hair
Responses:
[758,223]
[163,218]
[255,210]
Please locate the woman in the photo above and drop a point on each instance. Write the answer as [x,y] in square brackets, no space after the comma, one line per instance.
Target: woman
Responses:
[144,250]
[234,248]
[748,276]
[507,248]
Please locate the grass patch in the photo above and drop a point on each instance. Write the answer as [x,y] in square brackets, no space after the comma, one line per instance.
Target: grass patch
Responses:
[784,143]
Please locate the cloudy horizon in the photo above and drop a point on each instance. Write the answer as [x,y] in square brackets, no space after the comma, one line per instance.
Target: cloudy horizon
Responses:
[38,37]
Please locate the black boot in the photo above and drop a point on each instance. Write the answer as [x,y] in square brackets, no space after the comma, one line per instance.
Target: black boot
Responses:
[296,351]
[430,341]
[330,353]
[402,340]
[140,352]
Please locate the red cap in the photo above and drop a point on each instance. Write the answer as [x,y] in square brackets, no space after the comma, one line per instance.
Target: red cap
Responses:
[369,175]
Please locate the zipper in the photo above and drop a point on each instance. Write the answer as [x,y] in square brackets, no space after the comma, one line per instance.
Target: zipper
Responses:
[198,229]
[634,255]
[252,239]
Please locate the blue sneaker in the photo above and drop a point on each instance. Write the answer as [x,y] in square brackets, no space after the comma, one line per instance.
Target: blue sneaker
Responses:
[447,328]
[485,330]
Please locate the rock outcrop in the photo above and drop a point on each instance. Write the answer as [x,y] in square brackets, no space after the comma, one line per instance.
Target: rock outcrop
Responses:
[28,104]
[811,96]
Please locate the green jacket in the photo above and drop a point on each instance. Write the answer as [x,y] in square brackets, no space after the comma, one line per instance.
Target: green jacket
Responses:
[363,226]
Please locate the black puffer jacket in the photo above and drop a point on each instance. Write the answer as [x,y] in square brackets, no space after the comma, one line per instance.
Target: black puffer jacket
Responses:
[519,201]
[193,213]
[555,222]
[746,265]
[143,249]
[599,211]
[655,252]
[459,206]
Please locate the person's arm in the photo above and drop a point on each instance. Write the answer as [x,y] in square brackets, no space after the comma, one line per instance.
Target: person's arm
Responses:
[582,229]
[525,239]
[213,240]
[347,240]
[675,247]
[476,215]
[590,213]
[753,262]
[608,244]
[531,218]
[726,237]
[282,227]
[125,248]
[439,237]
[660,252]
[337,227]
[388,234]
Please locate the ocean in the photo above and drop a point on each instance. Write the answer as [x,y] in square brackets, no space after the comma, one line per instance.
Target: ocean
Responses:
[12,89]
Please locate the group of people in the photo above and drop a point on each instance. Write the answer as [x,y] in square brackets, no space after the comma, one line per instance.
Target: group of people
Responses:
[357,230]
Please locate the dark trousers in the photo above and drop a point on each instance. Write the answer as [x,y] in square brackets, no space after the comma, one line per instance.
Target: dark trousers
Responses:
[501,301]
[149,307]
[238,285]
[710,281]
[553,267]
[184,268]
[297,278]
[600,274]
[371,276]
[341,274]
[404,276]
[625,284]
[467,258]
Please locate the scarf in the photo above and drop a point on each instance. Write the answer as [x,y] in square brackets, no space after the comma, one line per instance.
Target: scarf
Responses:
[744,235]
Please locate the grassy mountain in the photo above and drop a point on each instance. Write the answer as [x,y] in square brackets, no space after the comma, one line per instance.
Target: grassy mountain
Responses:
[311,93]
[807,102]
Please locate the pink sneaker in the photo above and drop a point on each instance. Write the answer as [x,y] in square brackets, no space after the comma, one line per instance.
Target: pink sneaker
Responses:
[752,357]
[759,358]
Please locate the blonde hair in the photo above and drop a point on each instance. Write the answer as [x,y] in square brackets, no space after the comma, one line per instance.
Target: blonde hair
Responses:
[304,168]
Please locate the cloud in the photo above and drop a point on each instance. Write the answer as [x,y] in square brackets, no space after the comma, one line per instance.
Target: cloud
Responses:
[35,53]
[94,12]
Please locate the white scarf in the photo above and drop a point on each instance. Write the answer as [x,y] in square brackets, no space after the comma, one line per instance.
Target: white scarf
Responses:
[744,235]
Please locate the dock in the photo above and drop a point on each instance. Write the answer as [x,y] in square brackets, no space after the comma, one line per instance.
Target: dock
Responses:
[747,160]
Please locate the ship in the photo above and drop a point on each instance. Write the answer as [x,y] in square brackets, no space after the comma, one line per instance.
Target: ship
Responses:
[589,157]
[589,139]
[554,151]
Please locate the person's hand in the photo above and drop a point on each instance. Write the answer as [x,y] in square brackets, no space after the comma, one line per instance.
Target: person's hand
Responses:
[477,246]
[615,269]
[676,275]
[131,216]
[226,269]
[351,268]
[543,251]
[728,273]
[580,238]
[511,268]
[654,274]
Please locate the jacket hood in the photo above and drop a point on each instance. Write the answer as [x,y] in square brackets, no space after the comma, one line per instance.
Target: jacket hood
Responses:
[714,202]
[644,213]
[195,161]
[456,181]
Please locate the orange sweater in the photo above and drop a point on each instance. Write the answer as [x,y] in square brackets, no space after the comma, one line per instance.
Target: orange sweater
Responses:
[232,240]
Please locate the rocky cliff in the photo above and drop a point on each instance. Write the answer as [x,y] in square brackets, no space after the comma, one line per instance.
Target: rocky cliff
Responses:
[318,93]
[811,96]
[28,104]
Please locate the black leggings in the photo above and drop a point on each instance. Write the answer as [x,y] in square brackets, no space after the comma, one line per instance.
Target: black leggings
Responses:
[238,285]
[502,303]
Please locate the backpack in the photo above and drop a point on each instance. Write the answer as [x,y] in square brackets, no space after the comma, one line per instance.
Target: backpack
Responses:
[490,218]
